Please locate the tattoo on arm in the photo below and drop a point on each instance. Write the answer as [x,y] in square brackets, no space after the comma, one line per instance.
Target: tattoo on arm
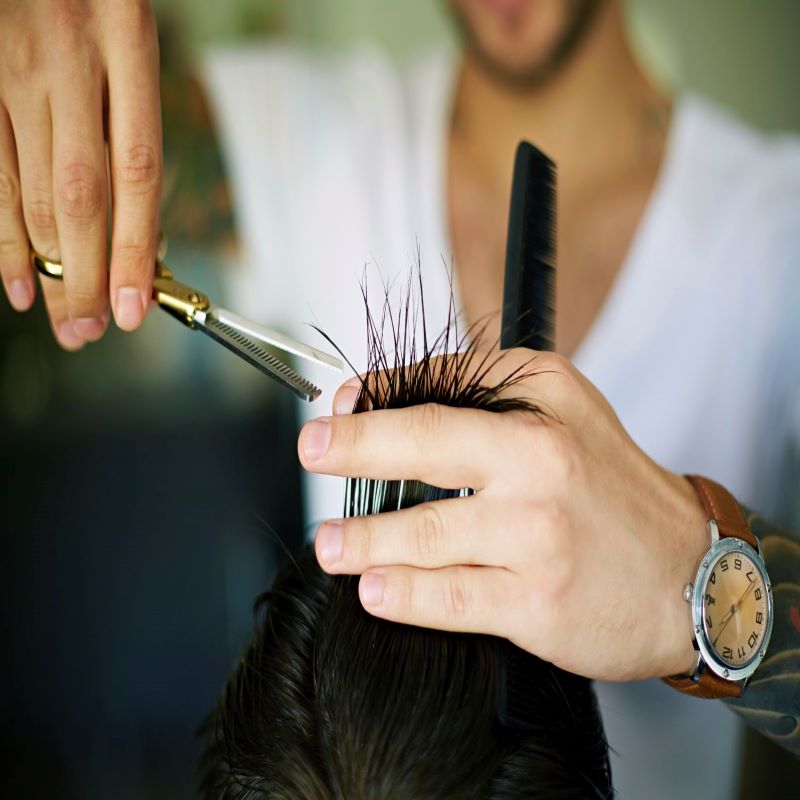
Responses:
[771,702]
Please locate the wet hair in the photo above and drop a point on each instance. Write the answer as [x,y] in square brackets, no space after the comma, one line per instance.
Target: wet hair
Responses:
[329,702]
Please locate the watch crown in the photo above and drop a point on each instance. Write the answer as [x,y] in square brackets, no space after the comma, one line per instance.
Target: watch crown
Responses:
[688,591]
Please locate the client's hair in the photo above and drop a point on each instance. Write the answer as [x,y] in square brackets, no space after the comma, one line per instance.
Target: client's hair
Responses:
[330,702]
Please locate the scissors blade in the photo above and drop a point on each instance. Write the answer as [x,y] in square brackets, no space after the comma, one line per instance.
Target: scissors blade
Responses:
[241,344]
[276,339]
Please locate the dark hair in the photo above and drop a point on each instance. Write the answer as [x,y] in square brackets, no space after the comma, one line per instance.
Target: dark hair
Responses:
[330,702]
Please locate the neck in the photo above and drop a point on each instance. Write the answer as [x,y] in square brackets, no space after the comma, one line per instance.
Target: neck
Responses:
[598,113]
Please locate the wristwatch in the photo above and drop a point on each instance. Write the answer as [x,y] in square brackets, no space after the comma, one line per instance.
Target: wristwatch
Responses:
[731,601]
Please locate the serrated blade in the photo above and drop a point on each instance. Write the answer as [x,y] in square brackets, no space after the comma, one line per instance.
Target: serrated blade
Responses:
[277,339]
[254,354]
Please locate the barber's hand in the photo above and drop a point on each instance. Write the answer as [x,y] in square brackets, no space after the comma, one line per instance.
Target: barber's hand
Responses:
[73,73]
[576,545]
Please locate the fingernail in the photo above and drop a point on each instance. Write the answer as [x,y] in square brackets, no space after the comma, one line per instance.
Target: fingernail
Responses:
[345,399]
[315,438]
[129,308]
[331,542]
[89,328]
[20,294]
[371,589]
[67,337]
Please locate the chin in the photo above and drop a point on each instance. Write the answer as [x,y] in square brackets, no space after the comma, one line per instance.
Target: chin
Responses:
[521,39]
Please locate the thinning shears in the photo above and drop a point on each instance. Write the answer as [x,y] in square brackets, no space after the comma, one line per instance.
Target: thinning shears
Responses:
[240,336]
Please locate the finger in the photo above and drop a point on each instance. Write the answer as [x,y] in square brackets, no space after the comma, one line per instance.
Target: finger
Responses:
[452,448]
[33,131]
[15,267]
[136,168]
[431,535]
[80,190]
[467,599]
[55,301]
[34,152]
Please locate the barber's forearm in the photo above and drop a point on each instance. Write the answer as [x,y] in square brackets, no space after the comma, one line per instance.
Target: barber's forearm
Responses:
[771,702]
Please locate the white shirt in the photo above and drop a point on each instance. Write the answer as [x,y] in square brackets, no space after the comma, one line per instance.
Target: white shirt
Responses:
[339,161]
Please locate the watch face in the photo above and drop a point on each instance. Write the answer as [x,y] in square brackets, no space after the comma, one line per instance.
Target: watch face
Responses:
[735,608]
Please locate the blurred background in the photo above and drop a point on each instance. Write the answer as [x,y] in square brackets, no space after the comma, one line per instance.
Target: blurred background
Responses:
[143,487]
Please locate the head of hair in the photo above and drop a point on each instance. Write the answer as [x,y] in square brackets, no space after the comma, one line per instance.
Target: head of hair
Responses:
[329,702]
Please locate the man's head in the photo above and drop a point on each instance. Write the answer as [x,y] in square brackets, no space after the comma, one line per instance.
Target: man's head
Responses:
[329,702]
[524,43]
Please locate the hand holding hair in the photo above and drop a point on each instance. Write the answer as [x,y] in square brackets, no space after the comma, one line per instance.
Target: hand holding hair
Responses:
[575,545]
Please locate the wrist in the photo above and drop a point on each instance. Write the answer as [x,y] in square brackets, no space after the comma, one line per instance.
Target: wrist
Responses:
[690,533]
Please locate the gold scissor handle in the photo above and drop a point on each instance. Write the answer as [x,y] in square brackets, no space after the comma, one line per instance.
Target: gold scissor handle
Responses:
[177,299]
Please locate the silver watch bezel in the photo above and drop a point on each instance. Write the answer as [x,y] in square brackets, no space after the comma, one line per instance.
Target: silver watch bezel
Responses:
[713,662]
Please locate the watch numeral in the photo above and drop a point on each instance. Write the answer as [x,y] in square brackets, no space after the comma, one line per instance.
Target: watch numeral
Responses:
[758,594]
[713,578]
[710,599]
[740,651]
[737,563]
[752,639]
[750,576]
[759,617]
[727,652]
[708,621]
[723,565]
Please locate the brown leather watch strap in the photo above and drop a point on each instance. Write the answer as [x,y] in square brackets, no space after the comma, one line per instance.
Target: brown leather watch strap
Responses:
[709,686]
[720,505]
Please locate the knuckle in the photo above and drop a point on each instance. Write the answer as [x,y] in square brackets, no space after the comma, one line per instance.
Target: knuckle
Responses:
[518,359]
[140,17]
[427,420]
[134,255]
[80,192]
[456,598]
[360,543]
[41,214]
[556,362]
[139,170]
[71,18]
[21,53]
[354,428]
[9,193]
[526,441]
[561,457]
[428,534]
[82,301]
[556,554]
[557,367]
[10,247]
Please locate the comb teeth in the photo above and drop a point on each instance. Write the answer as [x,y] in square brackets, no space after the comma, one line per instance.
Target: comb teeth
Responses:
[256,355]
[365,496]
[529,311]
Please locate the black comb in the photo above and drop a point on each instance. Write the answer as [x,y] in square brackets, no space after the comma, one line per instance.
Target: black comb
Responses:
[529,317]
[529,289]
